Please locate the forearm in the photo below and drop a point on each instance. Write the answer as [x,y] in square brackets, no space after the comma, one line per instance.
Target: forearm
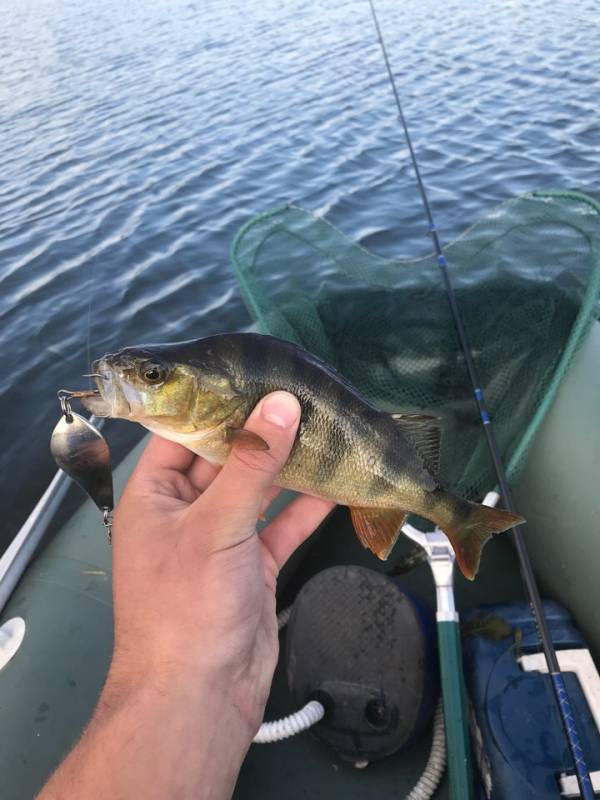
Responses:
[159,739]
[195,628]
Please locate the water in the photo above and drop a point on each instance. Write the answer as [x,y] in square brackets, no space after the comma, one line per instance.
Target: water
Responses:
[138,137]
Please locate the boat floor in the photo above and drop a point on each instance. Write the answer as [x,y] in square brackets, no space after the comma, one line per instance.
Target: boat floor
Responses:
[47,693]
[301,767]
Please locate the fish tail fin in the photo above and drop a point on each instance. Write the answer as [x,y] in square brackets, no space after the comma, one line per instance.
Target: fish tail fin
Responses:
[469,531]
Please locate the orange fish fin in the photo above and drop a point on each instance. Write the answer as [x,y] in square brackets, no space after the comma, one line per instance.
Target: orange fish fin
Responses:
[245,439]
[378,528]
[424,433]
[468,538]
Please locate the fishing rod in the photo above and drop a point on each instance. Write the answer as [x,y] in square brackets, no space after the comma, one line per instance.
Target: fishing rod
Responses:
[557,679]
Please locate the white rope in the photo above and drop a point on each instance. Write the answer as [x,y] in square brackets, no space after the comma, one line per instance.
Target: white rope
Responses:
[432,774]
[290,726]
[284,617]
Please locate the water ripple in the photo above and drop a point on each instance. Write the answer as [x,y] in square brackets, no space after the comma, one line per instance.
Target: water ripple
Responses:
[138,137]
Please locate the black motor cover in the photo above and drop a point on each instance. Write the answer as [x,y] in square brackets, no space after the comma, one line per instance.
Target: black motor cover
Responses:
[366,650]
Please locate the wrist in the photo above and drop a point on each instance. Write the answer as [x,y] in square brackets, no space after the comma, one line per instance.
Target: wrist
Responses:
[202,692]
[223,669]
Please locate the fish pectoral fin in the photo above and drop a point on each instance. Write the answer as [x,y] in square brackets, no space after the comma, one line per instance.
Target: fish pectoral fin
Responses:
[424,433]
[378,528]
[245,439]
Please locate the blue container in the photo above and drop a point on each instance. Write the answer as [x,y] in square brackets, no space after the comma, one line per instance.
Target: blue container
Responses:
[521,730]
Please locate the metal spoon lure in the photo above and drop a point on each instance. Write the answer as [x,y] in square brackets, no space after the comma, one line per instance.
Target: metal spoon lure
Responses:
[81,451]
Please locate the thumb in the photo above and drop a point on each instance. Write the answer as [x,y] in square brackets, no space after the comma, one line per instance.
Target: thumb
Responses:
[238,492]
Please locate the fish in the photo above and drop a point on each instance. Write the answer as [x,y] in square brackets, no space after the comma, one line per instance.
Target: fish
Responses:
[415,556]
[495,628]
[489,626]
[383,466]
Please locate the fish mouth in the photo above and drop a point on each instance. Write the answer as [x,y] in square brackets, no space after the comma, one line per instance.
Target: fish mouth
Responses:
[112,399]
[97,406]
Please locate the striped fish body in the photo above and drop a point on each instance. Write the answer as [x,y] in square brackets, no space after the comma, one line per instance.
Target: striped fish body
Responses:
[382,466]
[345,450]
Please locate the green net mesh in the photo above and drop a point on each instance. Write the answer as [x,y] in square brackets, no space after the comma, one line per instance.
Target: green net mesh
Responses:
[526,277]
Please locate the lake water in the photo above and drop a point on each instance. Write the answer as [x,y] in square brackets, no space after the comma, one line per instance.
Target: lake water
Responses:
[137,137]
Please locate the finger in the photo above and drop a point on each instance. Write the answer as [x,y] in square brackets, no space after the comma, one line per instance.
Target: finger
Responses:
[239,491]
[202,473]
[163,454]
[272,494]
[293,526]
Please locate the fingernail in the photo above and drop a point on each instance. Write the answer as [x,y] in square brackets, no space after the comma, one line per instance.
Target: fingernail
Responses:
[280,409]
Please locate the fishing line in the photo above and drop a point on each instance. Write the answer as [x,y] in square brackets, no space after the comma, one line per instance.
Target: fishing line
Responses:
[557,679]
[89,322]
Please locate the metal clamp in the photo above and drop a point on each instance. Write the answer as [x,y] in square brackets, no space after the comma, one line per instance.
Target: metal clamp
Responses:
[440,557]
[64,397]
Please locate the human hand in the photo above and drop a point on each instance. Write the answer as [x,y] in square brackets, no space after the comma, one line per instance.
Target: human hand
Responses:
[195,628]
[194,585]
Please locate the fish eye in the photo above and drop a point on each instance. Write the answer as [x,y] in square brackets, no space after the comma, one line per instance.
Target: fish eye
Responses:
[152,372]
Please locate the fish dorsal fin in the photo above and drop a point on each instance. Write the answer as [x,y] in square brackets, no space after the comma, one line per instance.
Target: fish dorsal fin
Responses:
[378,528]
[424,433]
